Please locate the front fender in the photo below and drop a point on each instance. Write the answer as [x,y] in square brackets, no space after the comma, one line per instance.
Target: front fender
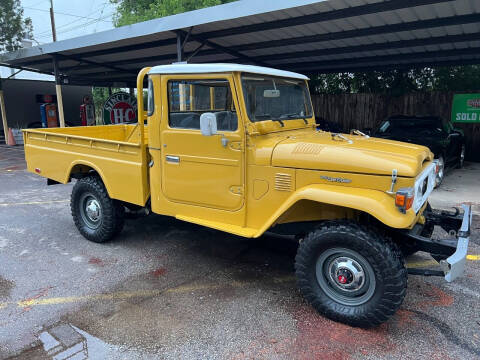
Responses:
[378,204]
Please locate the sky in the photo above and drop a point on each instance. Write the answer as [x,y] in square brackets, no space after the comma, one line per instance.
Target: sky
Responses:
[73,18]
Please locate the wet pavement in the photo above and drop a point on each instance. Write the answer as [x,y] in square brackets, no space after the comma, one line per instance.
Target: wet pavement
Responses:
[171,290]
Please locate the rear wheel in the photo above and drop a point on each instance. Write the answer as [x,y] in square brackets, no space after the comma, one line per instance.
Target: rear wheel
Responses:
[97,217]
[351,274]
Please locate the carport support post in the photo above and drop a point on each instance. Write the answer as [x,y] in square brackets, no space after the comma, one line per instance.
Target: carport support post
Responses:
[58,88]
[179,47]
[4,113]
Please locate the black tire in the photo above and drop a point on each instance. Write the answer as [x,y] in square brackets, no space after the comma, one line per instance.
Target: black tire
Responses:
[386,269]
[108,218]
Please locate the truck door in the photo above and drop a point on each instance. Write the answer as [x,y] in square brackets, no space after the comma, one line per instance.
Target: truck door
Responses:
[197,169]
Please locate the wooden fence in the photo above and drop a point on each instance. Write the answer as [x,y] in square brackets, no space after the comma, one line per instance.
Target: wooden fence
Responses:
[360,111]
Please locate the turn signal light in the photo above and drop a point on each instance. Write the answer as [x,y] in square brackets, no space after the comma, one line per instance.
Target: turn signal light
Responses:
[404,199]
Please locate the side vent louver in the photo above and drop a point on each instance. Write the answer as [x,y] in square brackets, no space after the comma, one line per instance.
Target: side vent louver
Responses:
[283,182]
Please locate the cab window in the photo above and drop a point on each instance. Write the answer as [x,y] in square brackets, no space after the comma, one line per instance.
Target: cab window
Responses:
[189,99]
[150,101]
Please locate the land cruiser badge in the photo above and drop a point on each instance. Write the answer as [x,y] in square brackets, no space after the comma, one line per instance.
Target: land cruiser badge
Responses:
[337,180]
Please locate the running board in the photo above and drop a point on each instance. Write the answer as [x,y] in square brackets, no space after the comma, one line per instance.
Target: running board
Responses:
[232,229]
[426,272]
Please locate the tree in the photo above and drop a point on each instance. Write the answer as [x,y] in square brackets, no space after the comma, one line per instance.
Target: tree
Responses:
[399,82]
[133,11]
[13,27]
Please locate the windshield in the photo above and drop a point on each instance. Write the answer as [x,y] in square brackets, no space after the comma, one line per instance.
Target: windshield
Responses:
[409,126]
[277,99]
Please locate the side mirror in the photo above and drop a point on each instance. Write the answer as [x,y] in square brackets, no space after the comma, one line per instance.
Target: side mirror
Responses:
[208,124]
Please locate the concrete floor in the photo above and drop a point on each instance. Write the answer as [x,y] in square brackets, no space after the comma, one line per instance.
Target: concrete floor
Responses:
[459,186]
[170,290]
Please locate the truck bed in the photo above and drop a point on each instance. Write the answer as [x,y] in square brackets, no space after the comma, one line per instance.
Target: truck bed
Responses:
[113,151]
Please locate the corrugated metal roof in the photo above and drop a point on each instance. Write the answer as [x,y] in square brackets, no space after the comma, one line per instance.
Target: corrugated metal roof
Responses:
[296,35]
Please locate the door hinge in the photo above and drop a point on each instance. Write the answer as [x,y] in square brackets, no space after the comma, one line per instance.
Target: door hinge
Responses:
[236,145]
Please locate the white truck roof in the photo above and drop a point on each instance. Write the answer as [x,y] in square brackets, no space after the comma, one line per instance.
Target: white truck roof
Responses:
[183,68]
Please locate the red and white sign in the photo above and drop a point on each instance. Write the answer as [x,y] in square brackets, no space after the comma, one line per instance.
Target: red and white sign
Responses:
[120,108]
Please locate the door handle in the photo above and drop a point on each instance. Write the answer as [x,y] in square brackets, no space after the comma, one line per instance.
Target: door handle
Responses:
[224,141]
[173,159]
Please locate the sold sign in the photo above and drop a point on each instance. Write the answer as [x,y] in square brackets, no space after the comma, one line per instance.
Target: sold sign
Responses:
[120,108]
[466,108]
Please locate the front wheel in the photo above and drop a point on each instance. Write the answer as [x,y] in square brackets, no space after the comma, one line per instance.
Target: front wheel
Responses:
[98,217]
[351,274]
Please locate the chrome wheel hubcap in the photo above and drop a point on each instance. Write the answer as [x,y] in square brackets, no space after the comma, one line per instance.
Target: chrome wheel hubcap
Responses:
[346,273]
[93,210]
[90,210]
[345,276]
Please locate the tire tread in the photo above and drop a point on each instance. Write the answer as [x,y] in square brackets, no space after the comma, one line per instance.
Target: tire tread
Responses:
[377,249]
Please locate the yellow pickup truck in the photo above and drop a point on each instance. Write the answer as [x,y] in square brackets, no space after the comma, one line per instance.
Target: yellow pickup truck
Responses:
[235,148]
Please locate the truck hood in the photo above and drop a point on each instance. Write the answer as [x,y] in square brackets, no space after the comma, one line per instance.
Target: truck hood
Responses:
[322,151]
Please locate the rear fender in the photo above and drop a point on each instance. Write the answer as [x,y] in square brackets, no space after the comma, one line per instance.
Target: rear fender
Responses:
[89,165]
[378,204]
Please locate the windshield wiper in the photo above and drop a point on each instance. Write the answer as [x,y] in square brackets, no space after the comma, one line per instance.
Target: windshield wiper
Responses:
[269,117]
[280,121]
[295,116]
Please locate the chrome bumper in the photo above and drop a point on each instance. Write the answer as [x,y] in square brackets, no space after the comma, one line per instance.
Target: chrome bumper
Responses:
[454,266]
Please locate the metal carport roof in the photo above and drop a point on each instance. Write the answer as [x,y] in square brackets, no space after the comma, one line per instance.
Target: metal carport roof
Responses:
[297,35]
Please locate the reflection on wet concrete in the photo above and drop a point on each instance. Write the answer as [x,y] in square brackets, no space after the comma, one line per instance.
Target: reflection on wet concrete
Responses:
[64,342]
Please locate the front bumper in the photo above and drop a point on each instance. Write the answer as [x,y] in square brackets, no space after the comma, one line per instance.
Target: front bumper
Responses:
[455,264]
[452,252]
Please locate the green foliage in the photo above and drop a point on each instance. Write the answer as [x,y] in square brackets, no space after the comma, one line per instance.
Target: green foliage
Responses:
[13,27]
[133,11]
[457,78]
[399,82]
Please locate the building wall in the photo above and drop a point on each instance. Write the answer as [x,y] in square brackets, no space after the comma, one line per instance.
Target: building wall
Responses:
[23,109]
[360,111]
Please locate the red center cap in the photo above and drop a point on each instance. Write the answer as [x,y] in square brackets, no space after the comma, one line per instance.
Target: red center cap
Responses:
[342,279]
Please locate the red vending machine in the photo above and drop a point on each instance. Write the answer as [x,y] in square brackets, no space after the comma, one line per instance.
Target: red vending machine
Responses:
[87,111]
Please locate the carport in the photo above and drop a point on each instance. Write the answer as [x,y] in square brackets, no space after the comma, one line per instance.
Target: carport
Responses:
[298,35]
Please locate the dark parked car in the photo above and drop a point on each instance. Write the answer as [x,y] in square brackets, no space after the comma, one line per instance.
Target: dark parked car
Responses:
[329,126]
[446,142]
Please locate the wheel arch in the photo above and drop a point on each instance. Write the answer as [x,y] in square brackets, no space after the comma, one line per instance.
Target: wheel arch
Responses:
[82,168]
[344,201]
